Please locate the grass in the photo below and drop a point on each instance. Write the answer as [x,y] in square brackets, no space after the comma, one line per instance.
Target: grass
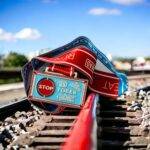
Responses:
[10,75]
[11,80]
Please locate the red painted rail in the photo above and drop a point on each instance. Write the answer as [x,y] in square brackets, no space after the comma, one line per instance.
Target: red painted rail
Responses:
[83,135]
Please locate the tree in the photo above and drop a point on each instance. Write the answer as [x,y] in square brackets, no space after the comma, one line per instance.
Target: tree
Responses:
[15,60]
[1,60]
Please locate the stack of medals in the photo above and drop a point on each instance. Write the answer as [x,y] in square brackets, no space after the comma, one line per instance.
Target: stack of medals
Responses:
[65,76]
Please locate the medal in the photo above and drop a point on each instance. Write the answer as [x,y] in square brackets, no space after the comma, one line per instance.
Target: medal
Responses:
[60,78]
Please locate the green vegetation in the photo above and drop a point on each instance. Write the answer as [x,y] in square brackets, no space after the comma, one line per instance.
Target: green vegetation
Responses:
[10,64]
[124,59]
[128,59]
[11,80]
[15,60]
[147,58]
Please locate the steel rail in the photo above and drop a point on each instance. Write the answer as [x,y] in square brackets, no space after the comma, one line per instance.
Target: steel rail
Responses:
[12,107]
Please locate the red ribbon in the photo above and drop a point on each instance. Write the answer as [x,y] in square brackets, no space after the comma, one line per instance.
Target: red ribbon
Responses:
[83,61]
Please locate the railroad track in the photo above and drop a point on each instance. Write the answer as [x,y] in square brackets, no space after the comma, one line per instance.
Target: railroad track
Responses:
[55,131]
[143,80]
[141,76]
[117,127]
[47,132]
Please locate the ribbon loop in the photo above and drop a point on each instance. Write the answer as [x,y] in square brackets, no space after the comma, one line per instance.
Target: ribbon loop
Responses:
[83,61]
[79,59]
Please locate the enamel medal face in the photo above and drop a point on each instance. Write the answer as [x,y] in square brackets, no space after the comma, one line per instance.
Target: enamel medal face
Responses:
[58,90]
[45,87]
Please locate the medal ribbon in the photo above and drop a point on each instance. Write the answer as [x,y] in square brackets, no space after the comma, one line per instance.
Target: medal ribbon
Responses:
[83,61]
[83,57]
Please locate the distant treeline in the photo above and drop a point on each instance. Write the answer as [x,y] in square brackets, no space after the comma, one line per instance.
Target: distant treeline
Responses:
[13,60]
[128,59]
[10,67]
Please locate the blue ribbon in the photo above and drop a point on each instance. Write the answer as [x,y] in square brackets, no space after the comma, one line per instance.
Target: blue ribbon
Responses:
[35,64]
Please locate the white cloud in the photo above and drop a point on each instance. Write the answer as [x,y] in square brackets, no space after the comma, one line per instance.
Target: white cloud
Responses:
[24,34]
[127,2]
[6,36]
[104,11]
[28,34]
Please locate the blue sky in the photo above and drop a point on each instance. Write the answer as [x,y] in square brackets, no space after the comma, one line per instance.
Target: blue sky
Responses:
[119,27]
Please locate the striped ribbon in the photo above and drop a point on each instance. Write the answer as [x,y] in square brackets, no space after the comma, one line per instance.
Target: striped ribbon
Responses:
[83,57]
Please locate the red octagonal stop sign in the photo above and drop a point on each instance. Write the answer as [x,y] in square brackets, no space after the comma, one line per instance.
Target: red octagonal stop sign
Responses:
[45,87]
